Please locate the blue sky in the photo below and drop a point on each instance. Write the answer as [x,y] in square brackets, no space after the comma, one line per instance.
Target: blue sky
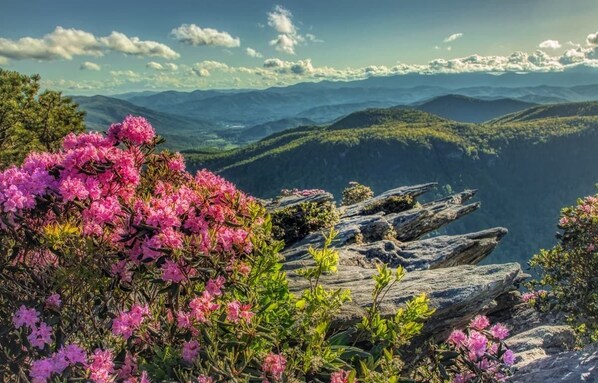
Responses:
[113,46]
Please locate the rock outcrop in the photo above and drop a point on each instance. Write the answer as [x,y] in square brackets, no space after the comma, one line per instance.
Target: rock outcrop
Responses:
[394,229]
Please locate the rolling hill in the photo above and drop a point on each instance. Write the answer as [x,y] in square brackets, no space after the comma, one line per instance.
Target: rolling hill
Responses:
[180,132]
[506,160]
[468,109]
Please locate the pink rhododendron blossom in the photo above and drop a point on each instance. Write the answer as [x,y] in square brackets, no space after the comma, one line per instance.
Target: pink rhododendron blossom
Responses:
[203,306]
[190,351]
[129,321]
[236,311]
[457,338]
[54,301]
[508,357]
[204,379]
[340,376]
[172,272]
[40,336]
[25,317]
[499,331]
[480,322]
[129,367]
[477,343]
[41,370]
[135,130]
[274,365]
[214,286]
[101,368]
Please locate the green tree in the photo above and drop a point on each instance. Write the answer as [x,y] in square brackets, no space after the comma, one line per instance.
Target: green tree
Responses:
[30,120]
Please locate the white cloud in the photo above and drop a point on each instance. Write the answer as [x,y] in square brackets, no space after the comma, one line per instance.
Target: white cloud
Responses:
[453,37]
[550,44]
[161,67]
[592,39]
[88,65]
[285,44]
[204,68]
[192,34]
[281,19]
[60,43]
[201,72]
[136,47]
[125,73]
[300,67]
[253,53]
[65,43]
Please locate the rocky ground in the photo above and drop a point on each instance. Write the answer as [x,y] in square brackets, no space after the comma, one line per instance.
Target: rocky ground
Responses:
[444,267]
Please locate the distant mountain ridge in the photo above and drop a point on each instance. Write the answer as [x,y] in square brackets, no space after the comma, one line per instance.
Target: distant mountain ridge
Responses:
[506,160]
[468,109]
[181,132]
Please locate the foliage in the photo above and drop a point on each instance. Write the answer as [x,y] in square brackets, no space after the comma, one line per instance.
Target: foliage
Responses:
[295,222]
[393,204]
[477,355]
[30,120]
[356,193]
[119,266]
[569,268]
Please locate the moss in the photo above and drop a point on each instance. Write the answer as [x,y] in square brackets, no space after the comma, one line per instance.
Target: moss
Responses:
[295,222]
[394,204]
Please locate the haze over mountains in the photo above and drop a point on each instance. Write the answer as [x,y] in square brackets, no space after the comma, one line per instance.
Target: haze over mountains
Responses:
[222,117]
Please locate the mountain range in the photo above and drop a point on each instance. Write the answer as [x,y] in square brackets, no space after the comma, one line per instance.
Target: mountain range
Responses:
[526,165]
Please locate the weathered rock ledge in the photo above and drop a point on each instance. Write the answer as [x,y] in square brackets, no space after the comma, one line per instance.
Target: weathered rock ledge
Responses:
[446,269]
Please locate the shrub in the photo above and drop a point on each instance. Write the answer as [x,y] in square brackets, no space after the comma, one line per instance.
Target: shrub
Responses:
[356,193]
[32,120]
[569,268]
[117,265]
[394,204]
[477,354]
[295,222]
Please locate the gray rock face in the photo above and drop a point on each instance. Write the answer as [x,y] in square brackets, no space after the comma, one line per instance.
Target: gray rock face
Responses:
[445,268]
[566,367]
[458,293]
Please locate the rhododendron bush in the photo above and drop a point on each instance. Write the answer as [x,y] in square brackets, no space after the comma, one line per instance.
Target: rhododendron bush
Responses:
[570,269]
[117,265]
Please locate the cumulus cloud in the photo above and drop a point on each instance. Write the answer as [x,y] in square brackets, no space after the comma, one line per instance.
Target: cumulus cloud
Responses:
[136,47]
[63,43]
[550,44]
[88,65]
[204,68]
[285,44]
[288,38]
[592,39]
[300,67]
[192,34]
[125,73]
[281,20]
[161,67]
[453,37]
[253,53]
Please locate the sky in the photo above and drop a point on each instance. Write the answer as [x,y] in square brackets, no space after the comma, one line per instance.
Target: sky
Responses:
[85,47]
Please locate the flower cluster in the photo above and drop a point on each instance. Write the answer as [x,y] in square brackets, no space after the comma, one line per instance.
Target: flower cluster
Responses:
[531,296]
[301,193]
[274,366]
[129,321]
[482,354]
